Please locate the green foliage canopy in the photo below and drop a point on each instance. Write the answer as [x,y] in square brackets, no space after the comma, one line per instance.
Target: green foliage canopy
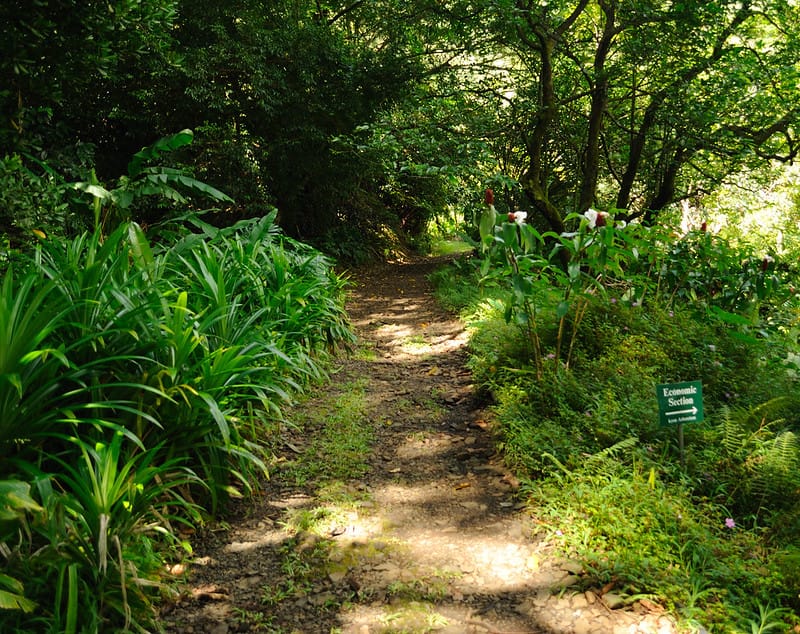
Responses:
[349,113]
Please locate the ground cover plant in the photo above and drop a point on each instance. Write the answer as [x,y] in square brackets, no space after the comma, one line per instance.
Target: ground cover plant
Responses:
[141,383]
[571,333]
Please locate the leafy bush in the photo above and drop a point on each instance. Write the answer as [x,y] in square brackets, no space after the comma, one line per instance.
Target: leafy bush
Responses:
[640,536]
[30,202]
[571,334]
[135,378]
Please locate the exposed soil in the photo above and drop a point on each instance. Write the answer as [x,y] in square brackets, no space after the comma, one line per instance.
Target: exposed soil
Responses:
[435,537]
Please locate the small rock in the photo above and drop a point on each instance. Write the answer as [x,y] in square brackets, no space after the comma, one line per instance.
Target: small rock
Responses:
[579,602]
[566,581]
[322,598]
[219,628]
[337,575]
[572,567]
[613,601]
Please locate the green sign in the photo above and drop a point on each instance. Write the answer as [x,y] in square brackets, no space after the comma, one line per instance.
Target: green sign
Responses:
[680,403]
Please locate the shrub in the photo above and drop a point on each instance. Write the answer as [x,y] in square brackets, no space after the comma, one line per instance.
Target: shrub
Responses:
[131,377]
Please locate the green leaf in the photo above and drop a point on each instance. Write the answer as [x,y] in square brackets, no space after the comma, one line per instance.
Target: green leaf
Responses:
[154,151]
[730,318]
[14,601]
[574,271]
[95,190]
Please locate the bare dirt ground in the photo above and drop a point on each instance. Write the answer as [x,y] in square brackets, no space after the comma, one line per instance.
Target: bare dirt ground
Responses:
[434,537]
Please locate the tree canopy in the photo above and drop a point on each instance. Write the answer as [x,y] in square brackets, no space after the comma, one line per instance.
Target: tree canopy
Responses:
[345,115]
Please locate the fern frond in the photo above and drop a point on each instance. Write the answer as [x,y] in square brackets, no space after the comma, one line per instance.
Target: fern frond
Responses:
[557,462]
[774,470]
[768,408]
[742,431]
[611,452]
[732,432]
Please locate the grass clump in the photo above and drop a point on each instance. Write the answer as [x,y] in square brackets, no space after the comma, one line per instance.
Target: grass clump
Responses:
[339,441]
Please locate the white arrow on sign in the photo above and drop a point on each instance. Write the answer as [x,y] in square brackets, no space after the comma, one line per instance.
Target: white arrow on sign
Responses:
[692,411]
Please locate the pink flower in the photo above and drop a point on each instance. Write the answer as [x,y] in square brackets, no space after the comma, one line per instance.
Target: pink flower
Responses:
[729,523]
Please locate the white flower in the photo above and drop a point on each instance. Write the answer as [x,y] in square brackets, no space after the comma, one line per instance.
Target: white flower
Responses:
[519,216]
[591,216]
[595,218]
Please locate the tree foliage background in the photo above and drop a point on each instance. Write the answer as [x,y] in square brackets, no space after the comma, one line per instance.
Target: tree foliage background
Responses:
[348,116]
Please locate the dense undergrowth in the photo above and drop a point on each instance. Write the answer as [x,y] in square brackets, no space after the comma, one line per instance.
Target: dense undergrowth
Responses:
[141,385]
[571,333]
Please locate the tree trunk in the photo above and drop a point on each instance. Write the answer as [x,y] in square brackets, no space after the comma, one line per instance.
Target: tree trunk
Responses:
[591,156]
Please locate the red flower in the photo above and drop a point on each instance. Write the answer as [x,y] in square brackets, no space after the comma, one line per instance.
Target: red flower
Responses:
[704,227]
[488,197]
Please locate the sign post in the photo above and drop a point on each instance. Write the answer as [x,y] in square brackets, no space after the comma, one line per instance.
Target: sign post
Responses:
[680,403]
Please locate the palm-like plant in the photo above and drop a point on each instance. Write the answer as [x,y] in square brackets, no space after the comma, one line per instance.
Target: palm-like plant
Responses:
[100,509]
[30,366]
[124,370]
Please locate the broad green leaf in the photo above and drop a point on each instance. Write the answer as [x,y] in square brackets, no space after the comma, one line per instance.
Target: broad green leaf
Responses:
[730,318]
[154,151]
[13,601]
[95,190]
[15,499]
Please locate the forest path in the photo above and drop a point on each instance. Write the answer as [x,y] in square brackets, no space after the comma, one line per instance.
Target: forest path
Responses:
[430,538]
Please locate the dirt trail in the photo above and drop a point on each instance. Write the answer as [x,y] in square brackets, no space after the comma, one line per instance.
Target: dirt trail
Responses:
[437,540]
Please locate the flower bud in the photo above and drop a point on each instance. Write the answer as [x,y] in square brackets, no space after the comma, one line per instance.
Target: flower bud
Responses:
[488,197]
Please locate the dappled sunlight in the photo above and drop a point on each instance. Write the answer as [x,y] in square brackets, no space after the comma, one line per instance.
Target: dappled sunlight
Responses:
[406,339]
[269,538]
[425,446]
